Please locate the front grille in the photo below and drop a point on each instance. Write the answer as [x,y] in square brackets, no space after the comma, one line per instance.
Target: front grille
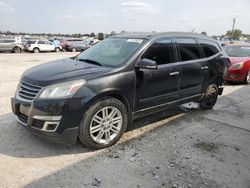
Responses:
[28,91]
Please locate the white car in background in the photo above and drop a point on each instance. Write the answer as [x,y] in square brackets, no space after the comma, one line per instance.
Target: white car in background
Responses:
[37,46]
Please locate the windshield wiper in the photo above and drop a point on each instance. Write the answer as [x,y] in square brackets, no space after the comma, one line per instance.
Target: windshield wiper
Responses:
[90,61]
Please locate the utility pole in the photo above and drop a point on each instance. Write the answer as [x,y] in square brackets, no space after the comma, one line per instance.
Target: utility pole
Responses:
[233,27]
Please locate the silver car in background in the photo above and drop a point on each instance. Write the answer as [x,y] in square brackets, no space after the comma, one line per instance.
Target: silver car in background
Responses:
[11,45]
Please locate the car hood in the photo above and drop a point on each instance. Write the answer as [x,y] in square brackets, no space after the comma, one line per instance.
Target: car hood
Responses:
[61,71]
[234,60]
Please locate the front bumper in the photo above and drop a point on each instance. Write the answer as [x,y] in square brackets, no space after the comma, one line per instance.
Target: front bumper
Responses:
[235,75]
[54,120]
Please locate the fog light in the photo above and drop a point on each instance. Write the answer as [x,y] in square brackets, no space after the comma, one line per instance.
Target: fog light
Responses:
[46,123]
[50,126]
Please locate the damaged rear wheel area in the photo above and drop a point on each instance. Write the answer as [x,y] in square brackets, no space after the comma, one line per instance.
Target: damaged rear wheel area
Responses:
[210,97]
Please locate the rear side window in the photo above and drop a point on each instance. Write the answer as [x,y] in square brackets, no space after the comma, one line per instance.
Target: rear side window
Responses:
[9,40]
[209,48]
[161,51]
[32,42]
[41,42]
[188,48]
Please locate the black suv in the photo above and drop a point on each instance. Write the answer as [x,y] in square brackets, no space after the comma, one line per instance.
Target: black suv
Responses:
[97,94]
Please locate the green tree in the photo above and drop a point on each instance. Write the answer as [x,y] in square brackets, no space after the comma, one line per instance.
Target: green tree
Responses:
[92,34]
[237,33]
[204,33]
[100,36]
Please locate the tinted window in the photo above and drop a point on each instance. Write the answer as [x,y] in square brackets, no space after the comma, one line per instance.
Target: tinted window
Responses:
[189,49]
[9,40]
[161,51]
[32,42]
[47,42]
[40,42]
[209,48]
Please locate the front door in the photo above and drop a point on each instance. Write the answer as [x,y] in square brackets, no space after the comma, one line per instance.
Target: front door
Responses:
[49,46]
[160,86]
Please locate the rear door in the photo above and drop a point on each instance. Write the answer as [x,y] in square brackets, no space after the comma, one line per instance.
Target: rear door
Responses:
[211,54]
[192,66]
[41,45]
[156,87]
[8,44]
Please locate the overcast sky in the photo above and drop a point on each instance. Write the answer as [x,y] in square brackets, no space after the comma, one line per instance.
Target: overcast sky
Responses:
[81,16]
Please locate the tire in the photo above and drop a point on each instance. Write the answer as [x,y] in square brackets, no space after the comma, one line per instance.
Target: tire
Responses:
[17,50]
[57,50]
[74,50]
[98,118]
[210,98]
[247,79]
[36,50]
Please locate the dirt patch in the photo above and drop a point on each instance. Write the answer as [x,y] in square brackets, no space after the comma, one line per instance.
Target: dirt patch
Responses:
[208,147]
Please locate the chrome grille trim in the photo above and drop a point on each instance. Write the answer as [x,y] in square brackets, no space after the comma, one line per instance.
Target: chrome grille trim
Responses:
[29,88]
[28,91]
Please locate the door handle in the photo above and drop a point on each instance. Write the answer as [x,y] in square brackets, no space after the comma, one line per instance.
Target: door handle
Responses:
[205,67]
[174,73]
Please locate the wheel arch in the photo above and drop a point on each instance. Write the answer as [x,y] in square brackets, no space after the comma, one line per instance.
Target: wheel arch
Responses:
[113,93]
[216,79]
[15,47]
[36,48]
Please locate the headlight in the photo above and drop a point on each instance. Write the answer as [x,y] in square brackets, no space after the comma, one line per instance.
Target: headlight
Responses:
[63,90]
[236,66]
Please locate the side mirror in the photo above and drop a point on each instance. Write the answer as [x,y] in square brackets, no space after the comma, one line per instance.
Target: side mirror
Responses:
[147,64]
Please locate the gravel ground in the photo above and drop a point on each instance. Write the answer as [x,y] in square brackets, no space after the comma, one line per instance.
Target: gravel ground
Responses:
[176,148]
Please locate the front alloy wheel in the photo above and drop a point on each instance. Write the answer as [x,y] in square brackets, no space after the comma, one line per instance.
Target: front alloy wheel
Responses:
[106,124]
[103,123]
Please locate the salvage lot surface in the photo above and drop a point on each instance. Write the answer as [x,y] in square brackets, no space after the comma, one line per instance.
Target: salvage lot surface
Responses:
[177,148]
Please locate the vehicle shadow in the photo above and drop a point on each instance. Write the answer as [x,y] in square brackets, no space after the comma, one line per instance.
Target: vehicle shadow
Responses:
[156,117]
[16,141]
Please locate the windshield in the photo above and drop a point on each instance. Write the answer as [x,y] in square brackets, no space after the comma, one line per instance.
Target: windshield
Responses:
[111,52]
[237,51]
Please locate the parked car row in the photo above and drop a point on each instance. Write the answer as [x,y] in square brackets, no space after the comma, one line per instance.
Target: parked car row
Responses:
[16,45]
